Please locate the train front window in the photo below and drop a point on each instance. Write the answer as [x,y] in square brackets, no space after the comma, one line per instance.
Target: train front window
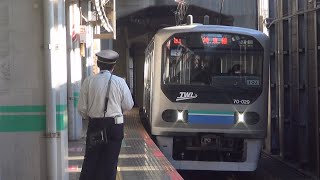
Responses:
[213,59]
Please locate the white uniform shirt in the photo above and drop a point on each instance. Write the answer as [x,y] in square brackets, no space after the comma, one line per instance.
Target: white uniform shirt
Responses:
[93,92]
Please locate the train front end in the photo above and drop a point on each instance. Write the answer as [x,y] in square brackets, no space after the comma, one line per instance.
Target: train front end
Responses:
[210,97]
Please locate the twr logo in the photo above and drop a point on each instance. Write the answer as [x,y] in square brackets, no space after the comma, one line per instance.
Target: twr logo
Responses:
[186,95]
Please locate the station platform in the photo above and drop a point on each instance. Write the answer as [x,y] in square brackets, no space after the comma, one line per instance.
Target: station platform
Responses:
[139,159]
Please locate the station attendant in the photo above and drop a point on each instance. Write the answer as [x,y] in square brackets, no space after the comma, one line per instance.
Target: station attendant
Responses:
[104,98]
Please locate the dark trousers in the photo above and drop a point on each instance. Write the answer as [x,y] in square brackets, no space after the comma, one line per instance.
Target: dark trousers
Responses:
[100,160]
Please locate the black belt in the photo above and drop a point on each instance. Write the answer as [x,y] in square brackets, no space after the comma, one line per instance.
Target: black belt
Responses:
[102,118]
[113,119]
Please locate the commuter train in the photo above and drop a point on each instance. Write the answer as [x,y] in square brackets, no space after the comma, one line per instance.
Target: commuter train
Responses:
[206,95]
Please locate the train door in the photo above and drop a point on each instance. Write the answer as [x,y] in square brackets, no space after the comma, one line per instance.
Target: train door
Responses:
[147,98]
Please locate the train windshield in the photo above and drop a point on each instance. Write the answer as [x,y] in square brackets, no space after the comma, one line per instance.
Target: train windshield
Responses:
[219,60]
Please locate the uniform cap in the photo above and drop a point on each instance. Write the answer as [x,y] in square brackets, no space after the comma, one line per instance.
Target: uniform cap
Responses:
[107,56]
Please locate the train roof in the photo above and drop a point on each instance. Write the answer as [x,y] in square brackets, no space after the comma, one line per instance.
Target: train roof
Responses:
[211,28]
[168,31]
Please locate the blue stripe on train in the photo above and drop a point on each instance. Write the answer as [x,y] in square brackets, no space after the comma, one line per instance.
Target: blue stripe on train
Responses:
[213,119]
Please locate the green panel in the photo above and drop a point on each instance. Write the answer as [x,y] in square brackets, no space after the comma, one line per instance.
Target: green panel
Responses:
[62,117]
[22,109]
[209,112]
[61,108]
[22,123]
[76,94]
[76,98]
[39,108]
[30,122]
[75,102]
[62,122]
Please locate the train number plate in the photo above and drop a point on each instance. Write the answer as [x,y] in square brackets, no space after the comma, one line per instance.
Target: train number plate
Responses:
[210,140]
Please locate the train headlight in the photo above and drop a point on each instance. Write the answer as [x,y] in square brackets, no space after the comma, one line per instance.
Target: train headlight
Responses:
[249,118]
[171,115]
[241,118]
[180,116]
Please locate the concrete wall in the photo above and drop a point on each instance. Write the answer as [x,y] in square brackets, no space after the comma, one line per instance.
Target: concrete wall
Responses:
[22,91]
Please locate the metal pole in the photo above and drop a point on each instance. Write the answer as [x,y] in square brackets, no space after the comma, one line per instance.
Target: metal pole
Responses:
[71,123]
[51,134]
[89,43]
[295,76]
[313,92]
[280,79]
[317,55]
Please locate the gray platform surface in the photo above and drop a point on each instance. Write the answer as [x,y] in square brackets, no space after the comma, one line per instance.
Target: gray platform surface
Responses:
[139,159]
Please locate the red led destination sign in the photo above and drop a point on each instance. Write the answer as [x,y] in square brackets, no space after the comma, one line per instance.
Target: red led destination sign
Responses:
[215,40]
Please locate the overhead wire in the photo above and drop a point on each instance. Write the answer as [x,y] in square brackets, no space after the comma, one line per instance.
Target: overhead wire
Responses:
[220,12]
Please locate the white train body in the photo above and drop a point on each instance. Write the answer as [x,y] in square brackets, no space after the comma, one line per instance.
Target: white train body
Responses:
[206,95]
